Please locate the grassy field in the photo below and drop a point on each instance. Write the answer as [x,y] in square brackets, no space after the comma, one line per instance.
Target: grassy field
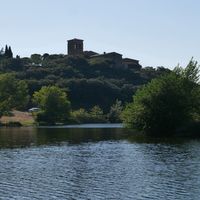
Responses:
[24,118]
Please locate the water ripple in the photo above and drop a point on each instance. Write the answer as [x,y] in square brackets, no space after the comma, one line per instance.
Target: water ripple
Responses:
[107,169]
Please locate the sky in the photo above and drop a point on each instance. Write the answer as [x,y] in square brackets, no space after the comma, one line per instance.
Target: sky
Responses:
[156,32]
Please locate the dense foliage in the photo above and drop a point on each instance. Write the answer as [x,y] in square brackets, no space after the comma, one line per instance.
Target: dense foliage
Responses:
[13,93]
[87,82]
[94,115]
[167,103]
[53,103]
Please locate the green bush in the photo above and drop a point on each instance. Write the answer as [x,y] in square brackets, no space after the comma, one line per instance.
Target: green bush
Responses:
[95,115]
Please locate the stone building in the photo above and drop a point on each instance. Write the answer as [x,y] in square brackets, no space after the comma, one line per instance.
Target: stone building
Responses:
[131,63]
[116,58]
[75,47]
[89,54]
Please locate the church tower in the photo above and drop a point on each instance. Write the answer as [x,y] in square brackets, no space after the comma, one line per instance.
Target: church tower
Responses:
[75,47]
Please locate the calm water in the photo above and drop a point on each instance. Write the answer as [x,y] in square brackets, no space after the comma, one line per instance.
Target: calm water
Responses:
[89,163]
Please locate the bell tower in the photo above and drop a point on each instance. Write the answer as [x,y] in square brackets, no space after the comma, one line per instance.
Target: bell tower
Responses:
[75,47]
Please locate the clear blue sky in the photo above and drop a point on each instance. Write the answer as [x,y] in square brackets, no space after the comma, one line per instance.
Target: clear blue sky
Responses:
[157,32]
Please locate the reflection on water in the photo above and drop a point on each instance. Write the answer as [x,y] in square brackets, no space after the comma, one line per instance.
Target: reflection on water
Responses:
[25,137]
[89,163]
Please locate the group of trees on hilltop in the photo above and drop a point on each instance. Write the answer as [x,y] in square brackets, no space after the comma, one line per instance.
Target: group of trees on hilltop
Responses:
[7,53]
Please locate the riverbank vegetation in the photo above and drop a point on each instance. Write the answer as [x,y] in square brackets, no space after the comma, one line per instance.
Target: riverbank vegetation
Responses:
[167,105]
[54,105]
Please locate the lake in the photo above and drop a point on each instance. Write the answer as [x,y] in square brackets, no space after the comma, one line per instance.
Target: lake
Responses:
[87,162]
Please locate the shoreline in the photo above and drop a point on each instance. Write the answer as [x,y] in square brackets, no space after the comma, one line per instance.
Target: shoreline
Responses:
[84,125]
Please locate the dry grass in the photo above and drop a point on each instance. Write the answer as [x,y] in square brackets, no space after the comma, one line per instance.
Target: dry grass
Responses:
[25,118]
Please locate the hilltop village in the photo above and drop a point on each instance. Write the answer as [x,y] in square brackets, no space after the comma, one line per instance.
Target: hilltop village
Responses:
[76,48]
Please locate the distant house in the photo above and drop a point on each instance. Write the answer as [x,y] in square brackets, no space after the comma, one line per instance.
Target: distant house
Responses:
[116,58]
[89,54]
[132,63]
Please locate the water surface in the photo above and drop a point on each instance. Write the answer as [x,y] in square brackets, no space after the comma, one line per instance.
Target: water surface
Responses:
[96,163]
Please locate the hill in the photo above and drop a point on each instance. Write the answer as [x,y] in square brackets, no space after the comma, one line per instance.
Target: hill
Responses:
[87,82]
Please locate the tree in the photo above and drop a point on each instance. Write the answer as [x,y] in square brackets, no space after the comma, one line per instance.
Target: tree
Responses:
[1,52]
[96,114]
[36,59]
[54,105]
[191,75]
[8,52]
[166,103]
[13,93]
[191,72]
[115,112]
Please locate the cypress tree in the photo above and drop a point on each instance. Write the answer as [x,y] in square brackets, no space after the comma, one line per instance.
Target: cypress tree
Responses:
[1,52]
[6,51]
[10,53]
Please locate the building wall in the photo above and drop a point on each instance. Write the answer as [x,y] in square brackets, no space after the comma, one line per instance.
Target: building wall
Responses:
[75,47]
[113,56]
[131,63]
